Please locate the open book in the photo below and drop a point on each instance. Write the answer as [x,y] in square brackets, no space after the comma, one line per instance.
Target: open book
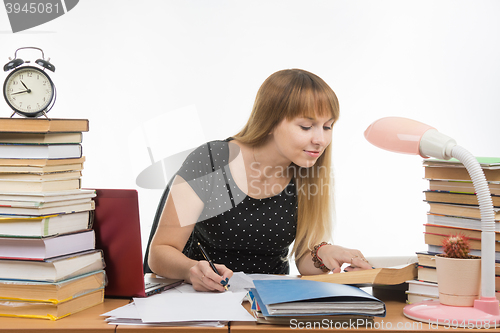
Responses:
[387,271]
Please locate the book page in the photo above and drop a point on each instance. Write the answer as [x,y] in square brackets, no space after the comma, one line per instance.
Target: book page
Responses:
[392,261]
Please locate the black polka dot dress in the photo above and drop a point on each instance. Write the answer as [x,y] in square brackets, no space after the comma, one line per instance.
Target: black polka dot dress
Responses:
[245,234]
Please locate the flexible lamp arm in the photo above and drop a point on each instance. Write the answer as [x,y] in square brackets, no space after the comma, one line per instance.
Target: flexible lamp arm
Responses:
[408,136]
[487,219]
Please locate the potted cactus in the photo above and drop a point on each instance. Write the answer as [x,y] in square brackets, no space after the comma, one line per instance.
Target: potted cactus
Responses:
[459,273]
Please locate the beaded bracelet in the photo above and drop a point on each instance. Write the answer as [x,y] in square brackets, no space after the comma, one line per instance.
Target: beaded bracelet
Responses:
[318,263]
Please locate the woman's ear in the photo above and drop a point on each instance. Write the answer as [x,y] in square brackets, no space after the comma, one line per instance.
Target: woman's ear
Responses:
[271,132]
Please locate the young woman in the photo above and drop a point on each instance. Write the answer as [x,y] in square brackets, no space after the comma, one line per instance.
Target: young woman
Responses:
[248,198]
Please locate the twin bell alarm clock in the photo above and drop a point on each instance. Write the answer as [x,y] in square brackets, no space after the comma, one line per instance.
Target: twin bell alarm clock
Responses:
[28,89]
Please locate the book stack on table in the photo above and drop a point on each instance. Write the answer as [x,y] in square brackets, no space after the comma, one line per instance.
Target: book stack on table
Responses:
[49,267]
[295,302]
[453,209]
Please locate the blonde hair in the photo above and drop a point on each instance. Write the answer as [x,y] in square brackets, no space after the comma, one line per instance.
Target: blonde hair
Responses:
[288,94]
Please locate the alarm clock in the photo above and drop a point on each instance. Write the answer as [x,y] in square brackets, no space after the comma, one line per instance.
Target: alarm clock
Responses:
[28,89]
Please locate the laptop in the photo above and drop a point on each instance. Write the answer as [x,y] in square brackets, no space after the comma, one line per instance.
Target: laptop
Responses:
[118,234]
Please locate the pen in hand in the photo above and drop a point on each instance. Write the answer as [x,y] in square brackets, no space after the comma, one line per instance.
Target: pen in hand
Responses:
[207,258]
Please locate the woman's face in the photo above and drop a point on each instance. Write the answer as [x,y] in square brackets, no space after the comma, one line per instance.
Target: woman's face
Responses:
[302,140]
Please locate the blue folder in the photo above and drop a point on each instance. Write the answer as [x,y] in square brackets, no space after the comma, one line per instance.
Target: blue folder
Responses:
[272,292]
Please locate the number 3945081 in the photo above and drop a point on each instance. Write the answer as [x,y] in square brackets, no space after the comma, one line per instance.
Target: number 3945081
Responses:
[32,7]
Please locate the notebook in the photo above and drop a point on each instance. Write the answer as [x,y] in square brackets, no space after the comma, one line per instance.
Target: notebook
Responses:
[118,234]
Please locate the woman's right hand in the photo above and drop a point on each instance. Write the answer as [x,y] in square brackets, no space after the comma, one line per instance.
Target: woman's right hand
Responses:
[203,278]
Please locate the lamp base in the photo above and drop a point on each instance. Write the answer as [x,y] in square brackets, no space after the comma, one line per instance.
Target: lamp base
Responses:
[435,313]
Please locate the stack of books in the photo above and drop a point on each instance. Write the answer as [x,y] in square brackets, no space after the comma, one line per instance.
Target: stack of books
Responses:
[453,209]
[311,304]
[49,267]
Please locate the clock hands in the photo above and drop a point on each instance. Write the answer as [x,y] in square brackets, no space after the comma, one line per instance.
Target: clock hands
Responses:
[28,90]
[20,92]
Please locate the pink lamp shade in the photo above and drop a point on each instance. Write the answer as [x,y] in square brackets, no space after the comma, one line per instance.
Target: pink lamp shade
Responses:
[397,134]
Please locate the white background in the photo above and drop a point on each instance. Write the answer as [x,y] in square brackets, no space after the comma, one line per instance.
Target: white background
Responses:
[122,64]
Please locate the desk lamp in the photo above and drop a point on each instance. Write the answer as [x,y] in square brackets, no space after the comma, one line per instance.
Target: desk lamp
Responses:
[408,136]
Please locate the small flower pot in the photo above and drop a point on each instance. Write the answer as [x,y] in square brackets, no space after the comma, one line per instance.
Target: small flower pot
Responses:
[459,280]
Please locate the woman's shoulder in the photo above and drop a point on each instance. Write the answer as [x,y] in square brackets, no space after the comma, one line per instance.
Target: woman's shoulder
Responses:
[208,148]
[218,144]
[208,154]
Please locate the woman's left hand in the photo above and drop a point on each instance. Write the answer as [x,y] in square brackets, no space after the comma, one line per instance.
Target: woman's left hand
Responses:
[334,256]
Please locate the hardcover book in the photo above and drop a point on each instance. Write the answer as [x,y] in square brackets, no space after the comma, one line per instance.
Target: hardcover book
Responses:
[460,186]
[41,138]
[44,248]
[54,269]
[62,207]
[48,310]
[44,226]
[387,271]
[43,125]
[52,292]
[25,151]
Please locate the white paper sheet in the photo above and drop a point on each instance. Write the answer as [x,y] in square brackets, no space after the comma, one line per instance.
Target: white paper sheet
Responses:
[128,315]
[122,322]
[127,311]
[212,309]
[192,307]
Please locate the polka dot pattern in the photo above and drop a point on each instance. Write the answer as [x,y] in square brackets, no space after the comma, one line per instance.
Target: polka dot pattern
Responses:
[245,234]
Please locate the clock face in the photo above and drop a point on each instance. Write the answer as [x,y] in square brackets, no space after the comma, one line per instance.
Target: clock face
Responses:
[28,91]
